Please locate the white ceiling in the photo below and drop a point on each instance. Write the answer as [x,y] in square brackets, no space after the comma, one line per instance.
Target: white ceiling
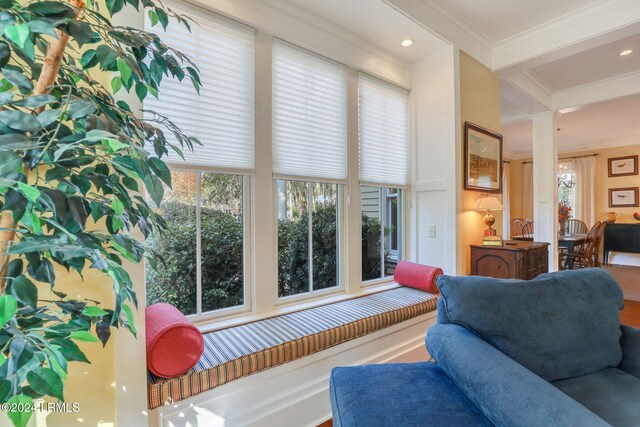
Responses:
[608,124]
[499,20]
[595,64]
[377,23]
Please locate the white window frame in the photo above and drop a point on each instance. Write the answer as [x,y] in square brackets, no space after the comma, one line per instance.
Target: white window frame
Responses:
[340,245]
[247,268]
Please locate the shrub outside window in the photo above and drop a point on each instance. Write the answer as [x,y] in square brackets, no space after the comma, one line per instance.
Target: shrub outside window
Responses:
[200,265]
[307,237]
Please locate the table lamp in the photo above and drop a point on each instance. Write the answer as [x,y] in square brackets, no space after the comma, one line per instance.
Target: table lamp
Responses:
[488,204]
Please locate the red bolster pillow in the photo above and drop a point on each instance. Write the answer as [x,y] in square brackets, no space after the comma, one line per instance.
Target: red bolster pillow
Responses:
[174,345]
[417,276]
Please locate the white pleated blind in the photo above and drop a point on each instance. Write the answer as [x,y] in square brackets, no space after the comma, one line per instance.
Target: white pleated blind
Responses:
[384,133]
[222,115]
[309,115]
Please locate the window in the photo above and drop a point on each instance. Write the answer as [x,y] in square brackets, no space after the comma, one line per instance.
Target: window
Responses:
[567,184]
[310,152]
[201,254]
[307,237]
[205,247]
[384,172]
[381,231]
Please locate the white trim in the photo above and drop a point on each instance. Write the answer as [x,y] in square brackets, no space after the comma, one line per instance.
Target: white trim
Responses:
[602,90]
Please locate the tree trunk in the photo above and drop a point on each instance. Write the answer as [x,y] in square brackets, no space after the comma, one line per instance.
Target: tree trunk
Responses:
[48,75]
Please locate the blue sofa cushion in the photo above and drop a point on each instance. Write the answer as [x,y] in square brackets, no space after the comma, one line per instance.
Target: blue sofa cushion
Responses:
[611,393]
[400,394]
[559,325]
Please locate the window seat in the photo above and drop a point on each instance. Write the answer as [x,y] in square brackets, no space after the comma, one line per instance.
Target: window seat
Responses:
[237,352]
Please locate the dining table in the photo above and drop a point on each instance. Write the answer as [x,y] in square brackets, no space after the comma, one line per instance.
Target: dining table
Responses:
[569,242]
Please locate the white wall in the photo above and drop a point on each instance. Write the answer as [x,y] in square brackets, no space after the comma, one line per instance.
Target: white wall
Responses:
[435,189]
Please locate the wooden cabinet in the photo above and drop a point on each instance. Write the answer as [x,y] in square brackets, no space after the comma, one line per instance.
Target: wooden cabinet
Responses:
[515,260]
[621,238]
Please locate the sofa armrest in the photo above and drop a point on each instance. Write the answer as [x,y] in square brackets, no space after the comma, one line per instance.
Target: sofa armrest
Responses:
[630,342]
[506,392]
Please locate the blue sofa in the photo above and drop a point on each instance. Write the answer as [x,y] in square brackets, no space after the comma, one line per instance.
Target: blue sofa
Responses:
[545,352]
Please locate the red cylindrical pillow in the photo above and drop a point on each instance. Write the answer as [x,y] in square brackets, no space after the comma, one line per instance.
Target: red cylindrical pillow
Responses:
[174,345]
[417,276]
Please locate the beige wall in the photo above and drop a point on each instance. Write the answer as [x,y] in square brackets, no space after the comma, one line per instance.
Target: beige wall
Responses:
[480,104]
[602,182]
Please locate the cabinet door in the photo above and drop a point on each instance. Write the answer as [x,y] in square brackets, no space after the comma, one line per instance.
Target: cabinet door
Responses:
[498,264]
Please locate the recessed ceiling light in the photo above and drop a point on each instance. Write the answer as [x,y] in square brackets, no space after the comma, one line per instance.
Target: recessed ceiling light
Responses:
[626,52]
[406,43]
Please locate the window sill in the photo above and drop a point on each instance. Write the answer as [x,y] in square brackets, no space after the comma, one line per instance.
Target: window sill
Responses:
[211,325]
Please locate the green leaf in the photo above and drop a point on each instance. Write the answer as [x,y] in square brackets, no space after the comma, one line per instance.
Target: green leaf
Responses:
[20,419]
[153,17]
[81,109]
[94,311]
[8,307]
[130,319]
[16,78]
[160,169]
[3,359]
[141,91]
[98,135]
[43,28]
[89,59]
[17,33]
[117,206]
[19,120]
[163,18]
[5,54]
[114,145]
[32,193]
[106,56]
[83,336]
[115,6]
[124,69]
[46,381]
[116,84]
[37,101]
[81,31]
[9,163]
[154,188]
[25,291]
[70,350]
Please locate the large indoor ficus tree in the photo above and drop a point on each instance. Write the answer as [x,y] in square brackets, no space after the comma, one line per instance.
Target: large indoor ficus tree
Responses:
[74,163]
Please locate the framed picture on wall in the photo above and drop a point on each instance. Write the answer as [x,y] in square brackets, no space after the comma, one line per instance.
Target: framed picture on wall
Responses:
[623,197]
[623,166]
[482,159]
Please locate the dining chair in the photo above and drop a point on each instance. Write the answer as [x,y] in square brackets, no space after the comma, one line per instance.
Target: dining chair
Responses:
[599,236]
[527,229]
[576,226]
[584,255]
[516,227]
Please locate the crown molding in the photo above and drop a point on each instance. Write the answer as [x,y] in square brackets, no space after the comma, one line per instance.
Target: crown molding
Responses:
[530,84]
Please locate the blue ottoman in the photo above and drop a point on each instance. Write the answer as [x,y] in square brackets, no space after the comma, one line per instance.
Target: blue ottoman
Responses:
[398,395]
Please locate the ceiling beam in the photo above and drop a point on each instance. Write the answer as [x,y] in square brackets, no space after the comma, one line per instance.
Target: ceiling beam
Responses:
[604,90]
[590,27]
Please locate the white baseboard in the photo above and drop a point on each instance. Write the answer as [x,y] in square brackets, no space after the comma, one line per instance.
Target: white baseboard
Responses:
[297,393]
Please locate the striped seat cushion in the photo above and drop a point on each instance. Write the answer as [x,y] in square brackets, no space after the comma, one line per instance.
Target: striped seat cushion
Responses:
[243,350]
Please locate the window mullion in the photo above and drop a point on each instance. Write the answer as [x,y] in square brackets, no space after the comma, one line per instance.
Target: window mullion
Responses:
[310,231]
[383,222]
[198,244]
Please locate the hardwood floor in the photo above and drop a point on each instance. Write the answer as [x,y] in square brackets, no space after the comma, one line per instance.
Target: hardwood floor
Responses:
[328,423]
[631,313]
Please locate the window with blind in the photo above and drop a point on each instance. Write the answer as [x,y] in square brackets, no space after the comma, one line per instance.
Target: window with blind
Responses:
[383,133]
[310,157]
[205,245]
[384,172]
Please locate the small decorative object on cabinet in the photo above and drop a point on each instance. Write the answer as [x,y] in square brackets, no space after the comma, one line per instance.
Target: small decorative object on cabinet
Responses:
[514,260]
[488,203]
[610,217]
[636,216]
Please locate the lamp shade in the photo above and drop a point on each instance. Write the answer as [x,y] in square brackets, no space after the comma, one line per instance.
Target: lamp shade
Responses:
[488,203]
